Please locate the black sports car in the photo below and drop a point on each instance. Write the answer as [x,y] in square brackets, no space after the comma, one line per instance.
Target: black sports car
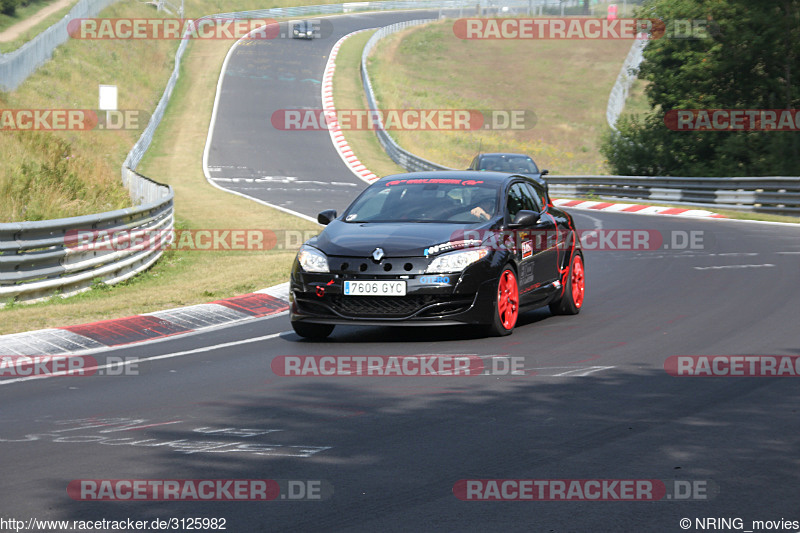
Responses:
[439,248]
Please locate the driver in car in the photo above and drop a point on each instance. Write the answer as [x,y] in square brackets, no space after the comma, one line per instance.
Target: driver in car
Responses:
[483,207]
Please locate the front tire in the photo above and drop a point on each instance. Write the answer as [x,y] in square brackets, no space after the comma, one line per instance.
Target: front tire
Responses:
[506,304]
[571,300]
[310,330]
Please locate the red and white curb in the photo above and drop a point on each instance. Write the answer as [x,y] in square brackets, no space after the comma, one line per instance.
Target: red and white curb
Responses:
[637,208]
[147,327]
[339,142]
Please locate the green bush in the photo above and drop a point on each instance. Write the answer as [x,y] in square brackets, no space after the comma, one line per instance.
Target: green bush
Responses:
[8,7]
[747,61]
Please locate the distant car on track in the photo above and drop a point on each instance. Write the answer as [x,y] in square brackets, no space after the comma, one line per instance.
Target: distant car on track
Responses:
[439,248]
[302,29]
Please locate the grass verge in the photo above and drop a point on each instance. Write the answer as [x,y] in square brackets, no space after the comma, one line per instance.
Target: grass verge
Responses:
[45,175]
[637,103]
[429,68]
[348,93]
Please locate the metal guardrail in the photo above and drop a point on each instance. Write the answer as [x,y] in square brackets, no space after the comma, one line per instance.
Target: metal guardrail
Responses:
[777,195]
[40,259]
[404,158]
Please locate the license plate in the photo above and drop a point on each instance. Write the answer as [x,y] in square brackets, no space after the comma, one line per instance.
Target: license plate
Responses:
[375,288]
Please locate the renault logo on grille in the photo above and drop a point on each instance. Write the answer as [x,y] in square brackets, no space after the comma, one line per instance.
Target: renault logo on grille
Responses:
[377,255]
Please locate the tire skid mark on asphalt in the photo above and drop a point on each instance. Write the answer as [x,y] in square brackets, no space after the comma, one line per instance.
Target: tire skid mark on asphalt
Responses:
[538,370]
[732,267]
[583,371]
[76,433]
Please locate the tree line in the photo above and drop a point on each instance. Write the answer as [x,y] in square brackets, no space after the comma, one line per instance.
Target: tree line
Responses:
[748,60]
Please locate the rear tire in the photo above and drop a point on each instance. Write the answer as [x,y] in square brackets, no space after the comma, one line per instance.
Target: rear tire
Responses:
[506,304]
[571,300]
[310,330]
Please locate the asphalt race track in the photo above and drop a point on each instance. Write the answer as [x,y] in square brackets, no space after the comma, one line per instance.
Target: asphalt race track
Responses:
[297,170]
[595,401]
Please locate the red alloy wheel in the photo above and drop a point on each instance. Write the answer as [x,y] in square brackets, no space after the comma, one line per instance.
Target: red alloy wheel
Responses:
[578,286]
[508,299]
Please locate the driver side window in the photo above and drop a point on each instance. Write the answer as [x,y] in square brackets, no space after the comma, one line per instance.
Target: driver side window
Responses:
[519,198]
[537,200]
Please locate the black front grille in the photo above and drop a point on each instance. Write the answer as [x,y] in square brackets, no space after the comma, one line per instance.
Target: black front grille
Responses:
[378,306]
[395,306]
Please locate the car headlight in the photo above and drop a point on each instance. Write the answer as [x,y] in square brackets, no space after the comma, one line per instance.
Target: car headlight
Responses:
[312,260]
[455,261]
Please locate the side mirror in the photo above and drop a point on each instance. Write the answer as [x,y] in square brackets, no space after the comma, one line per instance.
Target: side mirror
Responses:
[525,218]
[544,172]
[326,217]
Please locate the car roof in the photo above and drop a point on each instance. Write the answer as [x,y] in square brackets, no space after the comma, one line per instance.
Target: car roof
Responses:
[485,175]
[504,154]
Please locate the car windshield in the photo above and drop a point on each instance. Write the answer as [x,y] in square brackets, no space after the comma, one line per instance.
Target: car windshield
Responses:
[509,164]
[448,200]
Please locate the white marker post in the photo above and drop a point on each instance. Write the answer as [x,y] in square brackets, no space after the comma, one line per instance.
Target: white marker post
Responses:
[108,100]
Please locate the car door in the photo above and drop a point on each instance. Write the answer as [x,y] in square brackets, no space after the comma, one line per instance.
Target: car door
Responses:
[546,237]
[527,250]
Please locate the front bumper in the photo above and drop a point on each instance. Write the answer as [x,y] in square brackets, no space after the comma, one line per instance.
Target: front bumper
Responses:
[465,298]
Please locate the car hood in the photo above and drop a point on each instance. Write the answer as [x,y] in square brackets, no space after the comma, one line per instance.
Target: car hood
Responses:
[406,239]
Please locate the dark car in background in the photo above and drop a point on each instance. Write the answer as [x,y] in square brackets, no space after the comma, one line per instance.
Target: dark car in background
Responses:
[439,248]
[303,29]
[505,162]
